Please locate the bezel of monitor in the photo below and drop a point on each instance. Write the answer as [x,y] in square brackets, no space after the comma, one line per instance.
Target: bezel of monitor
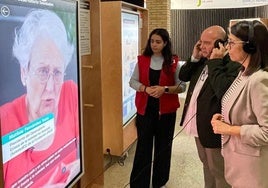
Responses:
[131,112]
[46,4]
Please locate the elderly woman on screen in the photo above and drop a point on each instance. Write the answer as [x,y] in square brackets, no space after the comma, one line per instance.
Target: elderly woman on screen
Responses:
[43,52]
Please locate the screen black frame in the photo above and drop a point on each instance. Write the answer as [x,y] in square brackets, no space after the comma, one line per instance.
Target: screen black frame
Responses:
[78,81]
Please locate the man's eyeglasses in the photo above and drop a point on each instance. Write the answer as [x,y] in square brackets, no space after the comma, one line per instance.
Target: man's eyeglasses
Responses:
[231,43]
[44,74]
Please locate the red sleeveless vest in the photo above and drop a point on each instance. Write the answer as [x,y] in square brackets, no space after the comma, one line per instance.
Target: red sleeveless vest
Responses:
[168,102]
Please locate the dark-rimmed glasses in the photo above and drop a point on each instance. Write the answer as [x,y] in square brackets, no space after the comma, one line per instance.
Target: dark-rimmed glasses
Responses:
[231,43]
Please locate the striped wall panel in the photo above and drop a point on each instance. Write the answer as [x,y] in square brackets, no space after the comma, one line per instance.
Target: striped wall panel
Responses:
[187,25]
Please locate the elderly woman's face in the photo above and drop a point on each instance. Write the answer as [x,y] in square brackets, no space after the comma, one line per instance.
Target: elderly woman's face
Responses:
[44,78]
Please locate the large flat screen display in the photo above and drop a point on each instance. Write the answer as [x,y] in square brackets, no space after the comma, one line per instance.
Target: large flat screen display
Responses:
[130,46]
[40,112]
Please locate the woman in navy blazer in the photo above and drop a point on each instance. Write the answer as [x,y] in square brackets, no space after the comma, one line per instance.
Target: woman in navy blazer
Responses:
[243,122]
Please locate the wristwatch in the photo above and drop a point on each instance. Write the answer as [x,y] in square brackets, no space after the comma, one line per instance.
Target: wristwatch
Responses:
[166,89]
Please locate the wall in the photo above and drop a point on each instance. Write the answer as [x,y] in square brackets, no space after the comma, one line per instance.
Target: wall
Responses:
[159,14]
[187,25]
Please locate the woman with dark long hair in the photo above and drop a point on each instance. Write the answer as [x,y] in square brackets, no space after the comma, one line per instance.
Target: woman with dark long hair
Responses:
[155,78]
[243,122]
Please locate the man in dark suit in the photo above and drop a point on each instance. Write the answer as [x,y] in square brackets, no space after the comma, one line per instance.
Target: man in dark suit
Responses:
[210,72]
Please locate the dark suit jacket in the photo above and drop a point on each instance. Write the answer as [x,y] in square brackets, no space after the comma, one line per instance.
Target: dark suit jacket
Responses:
[221,73]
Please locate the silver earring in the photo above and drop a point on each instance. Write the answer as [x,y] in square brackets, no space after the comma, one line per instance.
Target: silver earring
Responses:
[24,82]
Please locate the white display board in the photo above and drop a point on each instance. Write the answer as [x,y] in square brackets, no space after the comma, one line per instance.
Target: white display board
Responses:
[130,44]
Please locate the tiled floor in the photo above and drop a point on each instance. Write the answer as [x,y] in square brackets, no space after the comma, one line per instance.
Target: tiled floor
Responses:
[186,169]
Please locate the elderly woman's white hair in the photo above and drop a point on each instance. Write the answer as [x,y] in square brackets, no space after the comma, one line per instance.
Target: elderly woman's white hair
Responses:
[41,22]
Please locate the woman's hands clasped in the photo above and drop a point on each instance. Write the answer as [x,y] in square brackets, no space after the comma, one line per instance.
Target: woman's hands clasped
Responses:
[155,91]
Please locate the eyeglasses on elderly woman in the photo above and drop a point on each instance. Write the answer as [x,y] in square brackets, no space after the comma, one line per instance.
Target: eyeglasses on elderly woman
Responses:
[43,74]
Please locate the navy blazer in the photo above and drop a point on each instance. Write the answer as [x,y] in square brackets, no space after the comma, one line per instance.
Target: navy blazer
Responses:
[221,74]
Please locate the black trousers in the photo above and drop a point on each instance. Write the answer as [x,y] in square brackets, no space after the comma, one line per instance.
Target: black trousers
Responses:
[155,133]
